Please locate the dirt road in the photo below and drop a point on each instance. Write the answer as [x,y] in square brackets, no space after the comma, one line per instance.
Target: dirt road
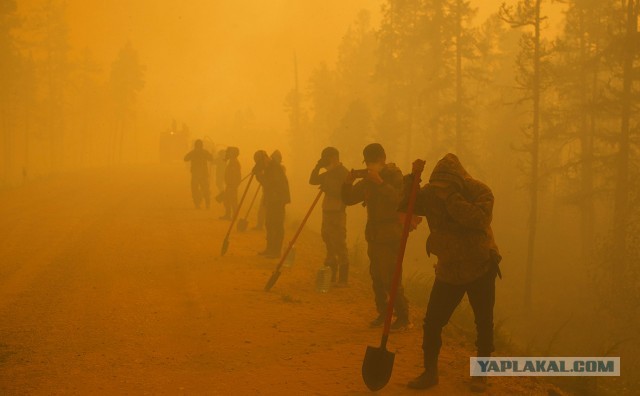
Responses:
[111,283]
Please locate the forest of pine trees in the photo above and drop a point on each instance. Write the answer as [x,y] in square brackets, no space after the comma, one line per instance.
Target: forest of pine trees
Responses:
[53,100]
[547,116]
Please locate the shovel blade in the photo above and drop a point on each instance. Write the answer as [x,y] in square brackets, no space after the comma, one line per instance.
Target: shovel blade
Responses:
[290,259]
[243,224]
[377,367]
[272,281]
[225,246]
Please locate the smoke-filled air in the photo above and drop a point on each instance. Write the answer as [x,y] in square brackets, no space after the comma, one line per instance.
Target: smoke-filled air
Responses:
[320,197]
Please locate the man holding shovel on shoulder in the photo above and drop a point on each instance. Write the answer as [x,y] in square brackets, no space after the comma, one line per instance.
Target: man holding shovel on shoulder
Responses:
[380,191]
[459,210]
[334,215]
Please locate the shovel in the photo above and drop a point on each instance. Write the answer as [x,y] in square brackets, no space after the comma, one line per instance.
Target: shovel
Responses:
[378,362]
[276,274]
[225,243]
[244,223]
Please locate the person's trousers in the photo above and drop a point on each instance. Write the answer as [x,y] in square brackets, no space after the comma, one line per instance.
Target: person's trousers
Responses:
[274,223]
[231,201]
[200,190]
[443,301]
[334,235]
[261,214]
[382,265]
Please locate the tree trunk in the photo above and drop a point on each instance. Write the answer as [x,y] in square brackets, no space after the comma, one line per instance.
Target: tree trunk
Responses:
[459,139]
[587,126]
[6,144]
[535,149]
[621,195]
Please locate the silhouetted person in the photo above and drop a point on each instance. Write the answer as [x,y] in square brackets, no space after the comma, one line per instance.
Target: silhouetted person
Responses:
[232,179]
[334,215]
[220,164]
[380,191]
[199,158]
[275,186]
[261,215]
[459,210]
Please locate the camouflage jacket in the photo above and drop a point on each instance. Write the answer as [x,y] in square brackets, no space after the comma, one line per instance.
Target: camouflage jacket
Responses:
[460,231]
[381,202]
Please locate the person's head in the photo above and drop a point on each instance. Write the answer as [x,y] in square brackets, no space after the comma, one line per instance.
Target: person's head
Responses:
[198,144]
[330,157]
[232,153]
[448,172]
[374,156]
[276,156]
[261,158]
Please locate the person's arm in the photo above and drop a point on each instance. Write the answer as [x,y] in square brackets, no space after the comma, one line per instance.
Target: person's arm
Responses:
[316,178]
[260,172]
[476,214]
[188,156]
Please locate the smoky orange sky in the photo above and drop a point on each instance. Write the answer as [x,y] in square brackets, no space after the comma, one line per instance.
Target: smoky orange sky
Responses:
[206,60]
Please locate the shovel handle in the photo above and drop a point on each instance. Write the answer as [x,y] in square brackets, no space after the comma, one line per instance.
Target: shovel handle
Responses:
[235,215]
[253,200]
[297,234]
[403,244]
[246,177]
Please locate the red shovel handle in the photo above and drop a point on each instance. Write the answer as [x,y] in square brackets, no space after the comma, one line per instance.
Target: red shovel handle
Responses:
[418,167]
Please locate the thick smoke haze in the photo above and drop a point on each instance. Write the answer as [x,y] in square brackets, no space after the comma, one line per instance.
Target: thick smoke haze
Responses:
[100,101]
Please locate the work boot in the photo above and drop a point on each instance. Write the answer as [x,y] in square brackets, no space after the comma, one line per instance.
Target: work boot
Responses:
[401,323]
[343,277]
[478,384]
[428,378]
[377,322]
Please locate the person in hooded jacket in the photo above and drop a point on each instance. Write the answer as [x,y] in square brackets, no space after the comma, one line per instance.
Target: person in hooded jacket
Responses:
[459,210]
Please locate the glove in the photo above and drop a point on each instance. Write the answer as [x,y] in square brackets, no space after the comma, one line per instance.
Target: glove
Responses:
[418,167]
